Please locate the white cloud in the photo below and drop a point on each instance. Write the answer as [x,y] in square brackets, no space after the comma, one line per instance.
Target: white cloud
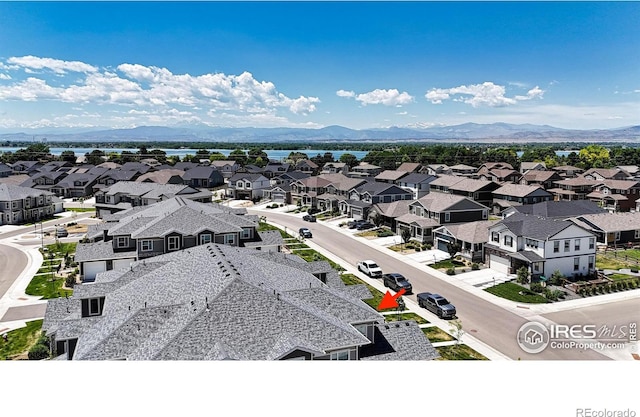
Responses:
[477,95]
[5,76]
[344,93]
[56,65]
[390,97]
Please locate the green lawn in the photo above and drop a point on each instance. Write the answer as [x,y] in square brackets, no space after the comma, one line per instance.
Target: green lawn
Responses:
[61,248]
[406,316]
[41,285]
[436,334]
[20,340]
[621,277]
[80,210]
[603,262]
[511,291]
[459,352]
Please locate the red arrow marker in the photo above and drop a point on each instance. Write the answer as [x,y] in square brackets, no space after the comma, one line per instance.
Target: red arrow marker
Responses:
[389,301]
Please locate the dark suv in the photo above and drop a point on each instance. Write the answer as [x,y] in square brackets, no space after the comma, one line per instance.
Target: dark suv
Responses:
[397,282]
[304,232]
[309,218]
[436,304]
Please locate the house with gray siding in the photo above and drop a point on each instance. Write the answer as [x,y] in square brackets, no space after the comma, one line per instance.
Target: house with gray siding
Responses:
[23,205]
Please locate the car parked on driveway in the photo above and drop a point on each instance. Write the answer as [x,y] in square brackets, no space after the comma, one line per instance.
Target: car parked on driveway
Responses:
[61,232]
[304,232]
[436,304]
[397,282]
[309,218]
[365,226]
[354,224]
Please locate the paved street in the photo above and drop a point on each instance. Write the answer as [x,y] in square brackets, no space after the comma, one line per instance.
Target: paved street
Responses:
[12,262]
[487,321]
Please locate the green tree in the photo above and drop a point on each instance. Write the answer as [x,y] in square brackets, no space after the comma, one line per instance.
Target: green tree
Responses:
[95,157]
[522,275]
[239,155]
[594,156]
[217,156]
[68,156]
[349,159]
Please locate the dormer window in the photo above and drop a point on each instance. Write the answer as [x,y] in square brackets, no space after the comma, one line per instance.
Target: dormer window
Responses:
[122,242]
[173,242]
[91,307]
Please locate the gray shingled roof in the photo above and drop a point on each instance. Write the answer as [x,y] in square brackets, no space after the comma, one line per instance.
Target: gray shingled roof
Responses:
[99,251]
[609,222]
[214,302]
[10,192]
[563,209]
[520,190]
[535,227]
[473,232]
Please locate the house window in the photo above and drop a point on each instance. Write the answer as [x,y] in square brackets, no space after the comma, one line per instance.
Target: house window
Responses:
[95,309]
[342,355]
[556,247]
[495,237]
[617,235]
[246,233]
[592,242]
[205,238]
[508,240]
[536,267]
[567,245]
[447,217]
[591,261]
[576,264]
[576,245]
[146,245]
[173,242]
[485,214]
[637,234]
[229,239]
[122,242]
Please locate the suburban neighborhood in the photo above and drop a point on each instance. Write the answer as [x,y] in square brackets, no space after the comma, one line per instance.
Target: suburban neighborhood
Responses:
[203,259]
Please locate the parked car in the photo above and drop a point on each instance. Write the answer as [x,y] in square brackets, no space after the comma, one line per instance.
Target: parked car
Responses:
[61,232]
[304,232]
[370,268]
[365,226]
[309,218]
[353,224]
[436,304]
[313,211]
[397,282]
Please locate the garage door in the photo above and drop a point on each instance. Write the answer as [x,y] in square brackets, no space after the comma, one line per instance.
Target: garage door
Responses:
[91,269]
[121,263]
[442,245]
[356,213]
[278,198]
[499,264]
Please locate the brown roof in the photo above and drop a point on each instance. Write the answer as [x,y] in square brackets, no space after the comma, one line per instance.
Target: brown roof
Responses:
[419,220]
[393,210]
[409,167]
[391,175]
[472,232]
[517,190]
[609,222]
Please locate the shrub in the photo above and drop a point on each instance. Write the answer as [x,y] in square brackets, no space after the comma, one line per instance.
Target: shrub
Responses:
[475,266]
[634,270]
[523,275]
[463,270]
[556,278]
[429,246]
[451,271]
[38,352]
[536,287]
[70,281]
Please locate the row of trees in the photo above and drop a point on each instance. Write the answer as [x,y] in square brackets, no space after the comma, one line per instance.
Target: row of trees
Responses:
[589,156]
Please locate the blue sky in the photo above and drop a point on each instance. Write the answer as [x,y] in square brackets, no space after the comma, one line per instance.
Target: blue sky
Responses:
[359,65]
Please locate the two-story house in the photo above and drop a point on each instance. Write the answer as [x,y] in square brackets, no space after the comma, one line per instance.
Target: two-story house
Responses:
[361,198]
[227,168]
[22,204]
[541,245]
[203,177]
[164,176]
[75,185]
[437,209]
[575,188]
[518,194]
[480,191]
[167,226]
[616,195]
[243,186]
[365,170]
[417,184]
[545,179]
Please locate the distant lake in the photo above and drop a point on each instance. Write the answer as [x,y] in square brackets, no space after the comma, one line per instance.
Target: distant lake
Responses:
[559,153]
[276,154]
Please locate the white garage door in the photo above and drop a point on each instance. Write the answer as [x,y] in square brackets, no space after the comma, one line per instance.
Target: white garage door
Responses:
[121,263]
[91,269]
[499,264]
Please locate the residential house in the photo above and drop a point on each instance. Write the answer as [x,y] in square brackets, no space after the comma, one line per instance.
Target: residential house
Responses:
[633,170]
[335,168]
[437,169]
[170,225]
[570,189]
[612,229]
[140,167]
[541,245]
[488,166]
[568,171]
[389,212]
[339,188]
[360,199]
[186,166]
[113,176]
[606,174]
[217,302]
[501,176]
[280,190]
[22,204]
[275,169]
[436,209]
[308,166]
[75,185]
[616,195]
[126,194]
[390,176]
[165,176]
[532,166]
[365,170]
[480,191]
[227,168]
[411,167]
[518,194]
[25,167]
[463,170]
[203,177]
[44,180]
[305,191]
[545,179]
[471,238]
[5,170]
[243,186]
[556,209]
[417,183]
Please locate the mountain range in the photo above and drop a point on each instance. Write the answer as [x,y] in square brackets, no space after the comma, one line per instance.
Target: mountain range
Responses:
[472,132]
